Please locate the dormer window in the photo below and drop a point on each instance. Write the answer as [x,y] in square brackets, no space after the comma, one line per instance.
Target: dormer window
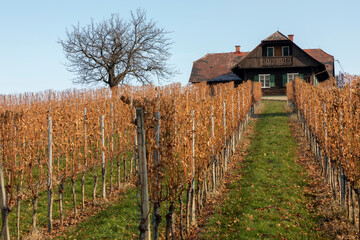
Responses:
[285,51]
[270,51]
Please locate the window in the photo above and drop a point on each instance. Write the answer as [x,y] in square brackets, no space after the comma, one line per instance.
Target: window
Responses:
[264,80]
[285,51]
[291,76]
[270,51]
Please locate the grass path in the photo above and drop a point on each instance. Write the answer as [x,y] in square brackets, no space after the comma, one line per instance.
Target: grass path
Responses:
[267,201]
[118,221]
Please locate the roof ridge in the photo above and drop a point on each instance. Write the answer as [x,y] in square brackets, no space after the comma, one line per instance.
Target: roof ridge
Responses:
[318,49]
[208,54]
[276,36]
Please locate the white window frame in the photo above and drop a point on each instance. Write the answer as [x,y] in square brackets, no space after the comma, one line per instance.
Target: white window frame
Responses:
[283,51]
[291,76]
[263,79]
[267,52]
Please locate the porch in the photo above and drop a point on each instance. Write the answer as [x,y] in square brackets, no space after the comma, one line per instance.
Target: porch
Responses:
[274,91]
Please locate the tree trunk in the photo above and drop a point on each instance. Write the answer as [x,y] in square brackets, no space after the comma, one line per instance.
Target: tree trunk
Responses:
[111,177]
[103,169]
[94,190]
[50,209]
[181,217]
[353,206]
[358,198]
[193,204]
[103,182]
[18,218]
[206,185]
[112,148]
[35,207]
[131,167]
[156,185]
[199,196]
[74,195]
[334,181]
[113,88]
[83,192]
[157,220]
[3,204]
[61,202]
[169,223]
[19,205]
[173,237]
[348,198]
[118,174]
[124,162]
[188,204]
[213,175]
[50,183]
[145,209]
[193,214]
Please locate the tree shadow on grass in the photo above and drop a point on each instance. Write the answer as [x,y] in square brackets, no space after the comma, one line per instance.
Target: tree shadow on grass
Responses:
[275,114]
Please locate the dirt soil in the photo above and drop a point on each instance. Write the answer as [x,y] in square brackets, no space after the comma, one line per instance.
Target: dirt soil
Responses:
[331,217]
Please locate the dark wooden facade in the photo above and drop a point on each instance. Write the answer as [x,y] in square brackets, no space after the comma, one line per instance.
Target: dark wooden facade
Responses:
[279,60]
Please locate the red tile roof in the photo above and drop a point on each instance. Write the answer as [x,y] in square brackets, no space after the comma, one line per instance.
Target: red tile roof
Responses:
[323,57]
[214,65]
[319,55]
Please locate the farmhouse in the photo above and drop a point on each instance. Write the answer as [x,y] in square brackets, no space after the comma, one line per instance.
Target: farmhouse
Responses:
[274,62]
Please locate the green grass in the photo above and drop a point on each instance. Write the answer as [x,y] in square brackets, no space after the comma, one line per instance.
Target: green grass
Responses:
[27,207]
[267,201]
[118,221]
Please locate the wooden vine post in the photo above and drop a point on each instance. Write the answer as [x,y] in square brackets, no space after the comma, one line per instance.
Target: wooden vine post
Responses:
[145,210]
[294,89]
[19,204]
[85,165]
[212,149]
[233,120]
[156,210]
[316,138]
[103,170]
[49,180]
[136,156]
[342,177]
[224,124]
[252,99]
[3,204]
[239,115]
[193,214]
[243,107]
[112,146]
[325,142]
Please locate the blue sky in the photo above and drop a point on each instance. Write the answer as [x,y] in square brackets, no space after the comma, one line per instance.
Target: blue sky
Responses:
[32,60]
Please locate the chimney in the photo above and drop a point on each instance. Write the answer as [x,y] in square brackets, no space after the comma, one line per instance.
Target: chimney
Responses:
[291,37]
[237,49]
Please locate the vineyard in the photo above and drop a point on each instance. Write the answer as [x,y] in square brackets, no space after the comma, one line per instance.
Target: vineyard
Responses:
[172,142]
[330,117]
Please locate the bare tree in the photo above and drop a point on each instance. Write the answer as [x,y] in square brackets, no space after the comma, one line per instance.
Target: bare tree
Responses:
[115,50]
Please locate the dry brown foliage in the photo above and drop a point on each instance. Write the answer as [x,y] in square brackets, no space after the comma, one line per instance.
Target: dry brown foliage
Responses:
[77,146]
[337,111]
